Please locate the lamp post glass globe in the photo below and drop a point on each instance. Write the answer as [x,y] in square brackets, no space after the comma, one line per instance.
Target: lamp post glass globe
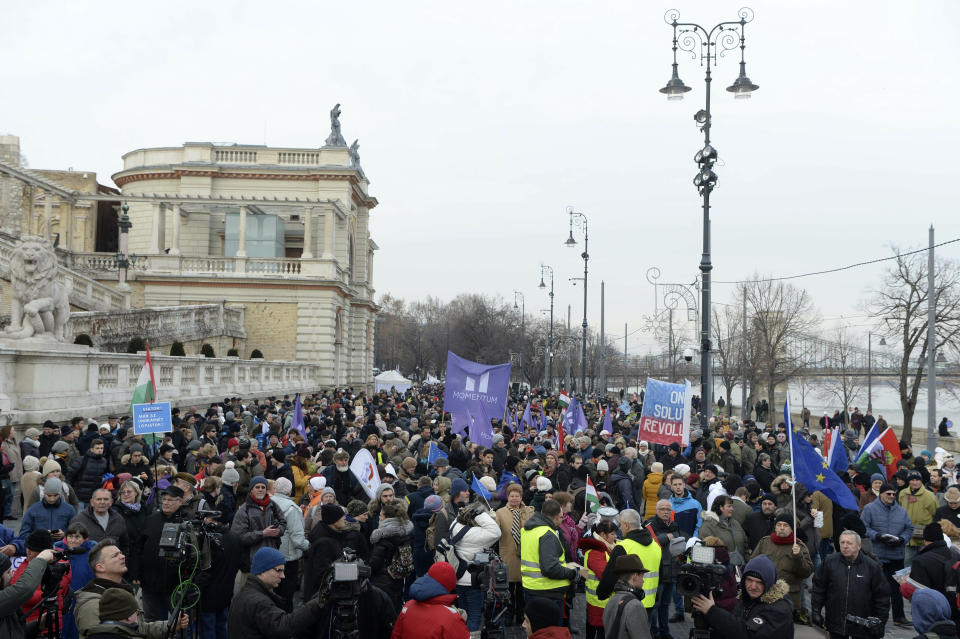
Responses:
[570,243]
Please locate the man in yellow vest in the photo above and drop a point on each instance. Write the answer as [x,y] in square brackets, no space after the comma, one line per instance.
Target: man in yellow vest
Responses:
[638,541]
[545,569]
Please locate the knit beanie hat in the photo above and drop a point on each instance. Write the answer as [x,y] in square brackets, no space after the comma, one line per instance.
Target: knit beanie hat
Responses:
[433,503]
[356,507]
[31,463]
[116,604]
[489,483]
[877,477]
[230,477]
[544,484]
[328,490]
[39,539]
[265,559]
[444,574]
[259,479]
[542,613]
[602,465]
[318,483]
[331,513]
[932,532]
[52,486]
[458,486]
[51,466]
[786,518]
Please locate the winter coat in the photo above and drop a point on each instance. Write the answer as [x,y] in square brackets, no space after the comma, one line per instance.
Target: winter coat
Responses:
[216,584]
[846,587]
[116,527]
[792,569]
[385,541]
[729,531]
[510,551]
[741,510]
[86,612]
[784,499]
[86,474]
[135,520]
[293,541]
[769,617]
[256,613]
[748,459]
[249,524]
[484,534]
[669,567]
[757,526]
[44,516]
[570,533]
[596,562]
[12,449]
[326,546]
[13,597]
[29,447]
[621,489]
[651,488]
[931,565]
[880,519]
[156,575]
[430,613]
[550,553]
[823,504]
[920,507]
[32,604]
[633,621]
[686,513]
[345,485]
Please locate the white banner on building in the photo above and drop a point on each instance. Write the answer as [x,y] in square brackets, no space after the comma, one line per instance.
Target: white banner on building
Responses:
[364,468]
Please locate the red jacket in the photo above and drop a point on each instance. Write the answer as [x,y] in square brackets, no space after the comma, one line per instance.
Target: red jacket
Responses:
[596,562]
[435,618]
[38,593]
[552,632]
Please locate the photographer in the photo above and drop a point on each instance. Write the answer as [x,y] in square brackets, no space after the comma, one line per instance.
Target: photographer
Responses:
[37,542]
[157,576]
[849,583]
[14,595]
[473,531]
[256,611]
[765,610]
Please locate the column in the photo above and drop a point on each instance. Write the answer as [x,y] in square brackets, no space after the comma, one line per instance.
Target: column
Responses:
[66,224]
[242,237]
[330,234]
[155,230]
[47,215]
[175,210]
[124,248]
[307,234]
[5,203]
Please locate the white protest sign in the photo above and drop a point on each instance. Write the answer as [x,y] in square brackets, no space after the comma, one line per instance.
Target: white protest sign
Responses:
[364,468]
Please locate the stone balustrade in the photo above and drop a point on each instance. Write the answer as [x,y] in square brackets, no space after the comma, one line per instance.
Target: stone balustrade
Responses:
[40,381]
[110,331]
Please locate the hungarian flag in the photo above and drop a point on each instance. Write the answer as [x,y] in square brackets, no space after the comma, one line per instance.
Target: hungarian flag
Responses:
[592,498]
[882,455]
[145,391]
[564,399]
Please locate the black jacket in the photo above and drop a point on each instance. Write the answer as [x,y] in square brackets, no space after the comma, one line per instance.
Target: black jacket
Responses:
[156,575]
[86,474]
[669,567]
[757,526]
[216,584]
[326,546]
[609,578]
[116,527]
[769,617]
[850,588]
[256,613]
[765,476]
[932,566]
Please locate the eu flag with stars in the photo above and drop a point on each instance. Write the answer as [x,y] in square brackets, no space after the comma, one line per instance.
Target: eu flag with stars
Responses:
[812,470]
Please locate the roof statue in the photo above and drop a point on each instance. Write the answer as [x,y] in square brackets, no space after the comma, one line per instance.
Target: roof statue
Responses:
[335,138]
[355,154]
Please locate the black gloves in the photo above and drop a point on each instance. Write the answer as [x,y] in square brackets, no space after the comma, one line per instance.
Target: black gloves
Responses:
[889,540]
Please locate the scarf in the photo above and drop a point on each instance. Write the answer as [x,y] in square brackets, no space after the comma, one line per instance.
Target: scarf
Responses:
[515,529]
[263,503]
[134,507]
[782,541]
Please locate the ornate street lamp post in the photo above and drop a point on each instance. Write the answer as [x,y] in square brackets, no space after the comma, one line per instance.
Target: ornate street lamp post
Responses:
[548,354]
[723,37]
[580,221]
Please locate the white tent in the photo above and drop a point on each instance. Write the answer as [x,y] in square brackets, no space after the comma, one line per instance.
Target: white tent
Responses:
[392,379]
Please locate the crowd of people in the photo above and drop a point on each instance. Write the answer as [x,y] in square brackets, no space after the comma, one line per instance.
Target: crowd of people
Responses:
[279,537]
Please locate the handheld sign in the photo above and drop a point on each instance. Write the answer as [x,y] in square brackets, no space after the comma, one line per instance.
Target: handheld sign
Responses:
[666,413]
[152,418]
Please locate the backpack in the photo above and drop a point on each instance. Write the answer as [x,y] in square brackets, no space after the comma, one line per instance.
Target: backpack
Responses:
[430,543]
[401,566]
[447,551]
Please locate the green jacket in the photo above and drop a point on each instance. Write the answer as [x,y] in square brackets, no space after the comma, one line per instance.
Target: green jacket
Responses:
[920,507]
[14,596]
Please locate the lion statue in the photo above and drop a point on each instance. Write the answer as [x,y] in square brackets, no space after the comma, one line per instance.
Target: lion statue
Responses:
[39,306]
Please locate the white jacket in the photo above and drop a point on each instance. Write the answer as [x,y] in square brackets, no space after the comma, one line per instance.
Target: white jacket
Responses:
[483,535]
[294,541]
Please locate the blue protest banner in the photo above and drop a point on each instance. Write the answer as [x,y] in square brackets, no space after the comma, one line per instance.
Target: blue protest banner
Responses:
[471,386]
[152,418]
[665,417]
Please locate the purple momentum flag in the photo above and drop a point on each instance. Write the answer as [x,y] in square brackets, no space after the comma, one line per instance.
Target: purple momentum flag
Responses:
[471,386]
[297,422]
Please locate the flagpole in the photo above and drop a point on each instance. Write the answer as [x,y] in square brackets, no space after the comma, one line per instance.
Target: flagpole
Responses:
[793,474]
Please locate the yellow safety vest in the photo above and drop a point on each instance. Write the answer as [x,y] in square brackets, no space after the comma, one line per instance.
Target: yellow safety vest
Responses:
[592,582]
[530,574]
[650,558]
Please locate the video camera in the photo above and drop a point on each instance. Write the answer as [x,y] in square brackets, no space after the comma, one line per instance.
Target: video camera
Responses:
[346,583]
[491,572]
[702,574]
[176,539]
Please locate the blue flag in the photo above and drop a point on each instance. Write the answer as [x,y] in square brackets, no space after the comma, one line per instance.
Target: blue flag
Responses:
[607,422]
[507,478]
[434,453]
[625,407]
[837,456]
[872,434]
[543,421]
[478,488]
[297,423]
[812,470]
[470,387]
[574,420]
[527,419]
[481,430]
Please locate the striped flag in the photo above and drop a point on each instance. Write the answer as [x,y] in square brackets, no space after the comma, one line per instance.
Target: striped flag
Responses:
[592,498]
[564,399]
[145,392]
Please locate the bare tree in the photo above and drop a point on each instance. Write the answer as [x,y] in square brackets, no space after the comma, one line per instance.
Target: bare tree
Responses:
[780,314]
[844,386]
[902,304]
[727,332]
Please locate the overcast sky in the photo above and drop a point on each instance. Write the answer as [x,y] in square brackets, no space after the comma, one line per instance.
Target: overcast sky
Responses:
[480,124]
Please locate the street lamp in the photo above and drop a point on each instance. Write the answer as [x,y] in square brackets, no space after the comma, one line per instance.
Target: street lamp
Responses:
[883,342]
[548,355]
[523,339]
[723,37]
[580,221]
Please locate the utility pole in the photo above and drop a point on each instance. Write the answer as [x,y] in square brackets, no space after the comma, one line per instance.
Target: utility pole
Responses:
[567,380]
[744,409]
[931,349]
[603,347]
[624,359]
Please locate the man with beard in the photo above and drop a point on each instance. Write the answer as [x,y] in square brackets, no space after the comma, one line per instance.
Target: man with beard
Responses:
[344,483]
[760,524]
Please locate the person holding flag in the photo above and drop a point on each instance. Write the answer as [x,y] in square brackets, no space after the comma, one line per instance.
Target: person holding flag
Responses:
[511,519]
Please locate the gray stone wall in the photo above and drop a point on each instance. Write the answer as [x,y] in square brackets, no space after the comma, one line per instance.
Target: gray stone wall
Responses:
[11,189]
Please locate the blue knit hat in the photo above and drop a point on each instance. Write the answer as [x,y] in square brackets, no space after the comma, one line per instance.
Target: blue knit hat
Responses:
[458,486]
[761,566]
[258,480]
[265,559]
